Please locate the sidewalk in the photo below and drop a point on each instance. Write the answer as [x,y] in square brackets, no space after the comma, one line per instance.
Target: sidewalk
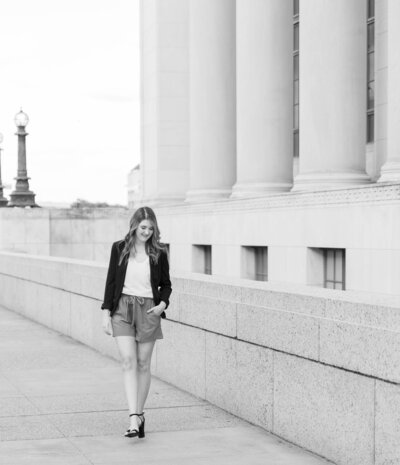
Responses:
[62,403]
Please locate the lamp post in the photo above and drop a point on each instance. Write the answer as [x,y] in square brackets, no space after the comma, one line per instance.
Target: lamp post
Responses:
[3,200]
[22,196]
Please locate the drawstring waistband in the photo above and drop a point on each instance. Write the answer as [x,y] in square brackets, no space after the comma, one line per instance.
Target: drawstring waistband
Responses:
[129,308]
[131,299]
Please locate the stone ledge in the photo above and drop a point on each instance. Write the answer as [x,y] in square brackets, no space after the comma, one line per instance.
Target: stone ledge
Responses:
[354,307]
[208,284]
[363,349]
[279,330]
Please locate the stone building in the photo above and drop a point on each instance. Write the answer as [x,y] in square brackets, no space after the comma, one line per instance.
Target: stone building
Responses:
[271,153]
[134,187]
[272,129]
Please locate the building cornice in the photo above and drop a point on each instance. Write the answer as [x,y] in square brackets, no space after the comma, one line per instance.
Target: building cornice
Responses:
[367,194]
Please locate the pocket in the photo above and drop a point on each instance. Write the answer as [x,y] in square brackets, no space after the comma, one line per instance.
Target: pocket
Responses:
[153,320]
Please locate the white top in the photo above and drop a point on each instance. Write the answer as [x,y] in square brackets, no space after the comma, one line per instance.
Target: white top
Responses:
[137,278]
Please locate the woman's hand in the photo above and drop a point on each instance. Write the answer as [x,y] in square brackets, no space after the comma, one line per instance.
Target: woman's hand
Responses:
[158,309]
[107,326]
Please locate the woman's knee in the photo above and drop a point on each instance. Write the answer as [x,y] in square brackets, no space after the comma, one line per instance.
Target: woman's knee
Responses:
[143,364]
[128,363]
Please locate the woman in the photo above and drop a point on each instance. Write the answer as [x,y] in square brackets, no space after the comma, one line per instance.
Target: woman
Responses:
[136,294]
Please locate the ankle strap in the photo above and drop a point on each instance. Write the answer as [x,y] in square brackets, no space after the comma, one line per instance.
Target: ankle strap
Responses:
[137,414]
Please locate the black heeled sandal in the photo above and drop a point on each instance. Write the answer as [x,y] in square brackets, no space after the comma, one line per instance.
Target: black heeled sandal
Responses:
[131,433]
[141,427]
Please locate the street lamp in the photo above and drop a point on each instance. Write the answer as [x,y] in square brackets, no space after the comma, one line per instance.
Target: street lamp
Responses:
[3,200]
[22,196]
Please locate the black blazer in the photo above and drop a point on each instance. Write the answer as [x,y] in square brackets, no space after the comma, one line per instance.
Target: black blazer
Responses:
[159,278]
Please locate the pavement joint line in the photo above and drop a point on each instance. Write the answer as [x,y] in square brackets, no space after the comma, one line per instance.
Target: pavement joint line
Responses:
[161,431]
[102,411]
[76,447]
[156,432]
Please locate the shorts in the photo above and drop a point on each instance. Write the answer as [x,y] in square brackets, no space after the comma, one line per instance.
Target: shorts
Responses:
[131,319]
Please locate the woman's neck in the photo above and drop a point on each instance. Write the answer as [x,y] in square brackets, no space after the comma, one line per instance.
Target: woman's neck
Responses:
[140,247]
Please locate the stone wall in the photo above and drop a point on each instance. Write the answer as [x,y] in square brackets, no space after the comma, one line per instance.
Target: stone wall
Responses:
[295,226]
[316,367]
[84,234]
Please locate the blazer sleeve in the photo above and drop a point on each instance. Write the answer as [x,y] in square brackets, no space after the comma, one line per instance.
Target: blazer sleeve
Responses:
[165,281]
[110,281]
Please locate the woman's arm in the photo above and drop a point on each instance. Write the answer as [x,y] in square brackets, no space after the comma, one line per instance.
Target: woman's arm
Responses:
[110,281]
[165,282]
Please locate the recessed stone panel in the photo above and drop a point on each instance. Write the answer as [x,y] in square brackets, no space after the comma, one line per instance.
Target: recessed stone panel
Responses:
[181,357]
[173,309]
[82,310]
[41,310]
[324,409]
[8,291]
[387,422]
[61,311]
[60,230]
[239,378]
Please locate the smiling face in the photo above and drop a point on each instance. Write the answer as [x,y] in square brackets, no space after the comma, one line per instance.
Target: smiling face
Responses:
[144,231]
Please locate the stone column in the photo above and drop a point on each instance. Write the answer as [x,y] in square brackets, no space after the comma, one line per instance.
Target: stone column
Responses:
[390,171]
[264,43]
[332,94]
[165,160]
[381,97]
[212,99]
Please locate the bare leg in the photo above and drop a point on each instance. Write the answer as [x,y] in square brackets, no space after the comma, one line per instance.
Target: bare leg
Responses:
[144,352]
[127,347]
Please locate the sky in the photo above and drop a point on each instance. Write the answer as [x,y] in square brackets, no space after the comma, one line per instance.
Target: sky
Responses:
[73,66]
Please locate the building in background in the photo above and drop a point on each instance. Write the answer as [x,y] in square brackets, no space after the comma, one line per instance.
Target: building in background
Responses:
[270,132]
[134,185]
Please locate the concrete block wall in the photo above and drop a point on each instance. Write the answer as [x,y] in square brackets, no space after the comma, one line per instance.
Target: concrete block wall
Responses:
[319,368]
[85,234]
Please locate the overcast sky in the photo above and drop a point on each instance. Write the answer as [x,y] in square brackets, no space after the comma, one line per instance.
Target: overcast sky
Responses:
[73,66]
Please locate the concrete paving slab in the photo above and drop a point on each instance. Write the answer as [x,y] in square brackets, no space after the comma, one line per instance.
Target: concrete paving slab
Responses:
[17,406]
[239,444]
[161,419]
[172,398]
[62,403]
[167,397]
[37,427]
[42,452]
[259,459]
[7,389]
[42,356]
[79,403]
[90,424]
[58,381]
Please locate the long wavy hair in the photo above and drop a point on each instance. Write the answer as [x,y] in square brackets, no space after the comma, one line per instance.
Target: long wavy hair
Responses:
[153,246]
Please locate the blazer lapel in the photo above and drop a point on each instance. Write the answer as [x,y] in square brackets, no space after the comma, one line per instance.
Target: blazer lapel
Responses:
[121,269]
